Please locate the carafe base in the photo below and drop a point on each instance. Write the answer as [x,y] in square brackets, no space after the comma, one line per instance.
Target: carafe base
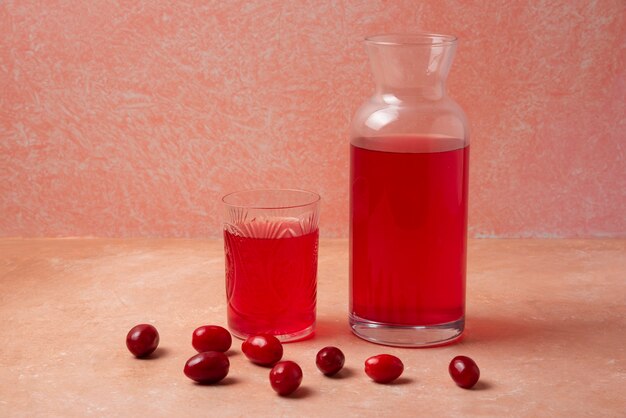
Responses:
[407,336]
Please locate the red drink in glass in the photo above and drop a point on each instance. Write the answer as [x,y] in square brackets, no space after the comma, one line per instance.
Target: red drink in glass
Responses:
[271,283]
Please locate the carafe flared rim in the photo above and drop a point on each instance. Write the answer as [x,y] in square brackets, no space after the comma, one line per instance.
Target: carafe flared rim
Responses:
[412,39]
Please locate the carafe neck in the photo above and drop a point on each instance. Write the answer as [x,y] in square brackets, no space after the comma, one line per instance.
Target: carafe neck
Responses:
[410,66]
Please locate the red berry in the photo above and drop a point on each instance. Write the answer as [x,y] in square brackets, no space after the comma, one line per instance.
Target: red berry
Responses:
[464,371]
[207,367]
[142,340]
[384,368]
[211,338]
[330,360]
[285,377]
[262,349]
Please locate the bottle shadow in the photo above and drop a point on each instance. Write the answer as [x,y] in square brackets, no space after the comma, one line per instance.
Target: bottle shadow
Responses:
[498,330]
[552,330]
[327,328]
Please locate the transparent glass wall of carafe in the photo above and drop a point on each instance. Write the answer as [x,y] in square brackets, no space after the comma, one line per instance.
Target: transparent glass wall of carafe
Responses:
[409,163]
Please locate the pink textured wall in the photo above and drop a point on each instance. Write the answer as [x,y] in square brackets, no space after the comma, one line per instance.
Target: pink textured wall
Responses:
[132,118]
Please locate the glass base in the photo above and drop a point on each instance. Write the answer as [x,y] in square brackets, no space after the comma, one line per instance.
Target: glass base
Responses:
[285,338]
[407,336]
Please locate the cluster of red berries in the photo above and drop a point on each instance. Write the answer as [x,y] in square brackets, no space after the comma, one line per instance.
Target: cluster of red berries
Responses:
[211,365]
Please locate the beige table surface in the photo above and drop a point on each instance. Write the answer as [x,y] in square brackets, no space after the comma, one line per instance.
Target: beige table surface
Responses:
[546,324]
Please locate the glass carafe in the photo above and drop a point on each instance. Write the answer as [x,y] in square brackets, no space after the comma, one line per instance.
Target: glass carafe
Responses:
[409,160]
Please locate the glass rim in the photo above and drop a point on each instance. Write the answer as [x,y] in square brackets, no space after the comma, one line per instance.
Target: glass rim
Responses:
[412,39]
[315,198]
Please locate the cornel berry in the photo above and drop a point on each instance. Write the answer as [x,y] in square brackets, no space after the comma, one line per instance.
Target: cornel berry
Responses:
[383,368]
[211,365]
[285,377]
[464,371]
[330,360]
[142,340]
[263,349]
[207,367]
[211,338]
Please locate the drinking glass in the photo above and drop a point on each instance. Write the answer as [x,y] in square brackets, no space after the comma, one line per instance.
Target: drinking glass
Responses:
[271,245]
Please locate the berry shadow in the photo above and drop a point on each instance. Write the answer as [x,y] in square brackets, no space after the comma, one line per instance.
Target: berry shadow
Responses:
[158,353]
[401,381]
[344,373]
[232,353]
[264,366]
[227,381]
[482,385]
[301,393]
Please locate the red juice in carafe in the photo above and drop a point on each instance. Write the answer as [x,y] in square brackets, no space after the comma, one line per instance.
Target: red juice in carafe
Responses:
[271,283]
[408,222]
